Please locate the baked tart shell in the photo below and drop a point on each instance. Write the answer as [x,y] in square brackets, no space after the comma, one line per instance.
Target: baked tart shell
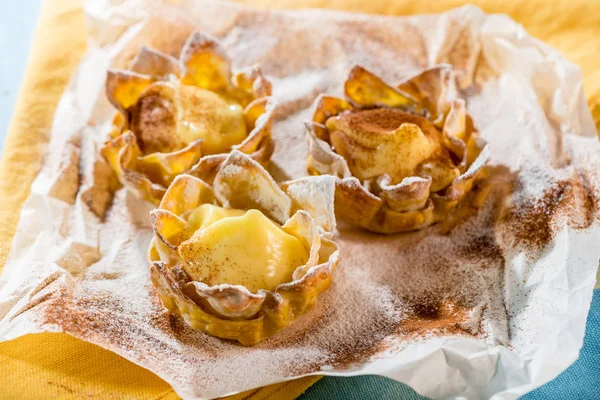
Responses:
[303,208]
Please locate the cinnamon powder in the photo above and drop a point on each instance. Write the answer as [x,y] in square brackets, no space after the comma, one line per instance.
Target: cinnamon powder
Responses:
[535,220]
[441,317]
[153,122]
[448,279]
[383,120]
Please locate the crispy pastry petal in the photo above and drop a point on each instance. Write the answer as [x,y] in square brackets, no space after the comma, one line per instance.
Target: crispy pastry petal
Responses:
[410,194]
[226,301]
[205,64]
[155,63]
[252,83]
[431,88]
[389,221]
[185,194]
[455,124]
[448,199]
[326,107]
[122,153]
[365,89]
[232,311]
[367,192]
[258,116]
[161,150]
[322,159]
[123,88]
[169,231]
[164,167]
[150,174]
[354,203]
[313,195]
[243,183]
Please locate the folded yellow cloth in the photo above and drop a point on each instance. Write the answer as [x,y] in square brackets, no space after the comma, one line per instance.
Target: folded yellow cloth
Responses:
[58,366]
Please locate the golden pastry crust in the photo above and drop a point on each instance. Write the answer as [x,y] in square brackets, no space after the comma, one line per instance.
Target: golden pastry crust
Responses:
[403,156]
[302,208]
[173,113]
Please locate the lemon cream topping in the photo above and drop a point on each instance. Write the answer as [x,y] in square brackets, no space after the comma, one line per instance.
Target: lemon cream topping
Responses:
[205,115]
[240,248]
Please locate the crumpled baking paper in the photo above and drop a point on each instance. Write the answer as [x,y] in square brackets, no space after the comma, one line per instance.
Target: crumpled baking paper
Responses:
[71,271]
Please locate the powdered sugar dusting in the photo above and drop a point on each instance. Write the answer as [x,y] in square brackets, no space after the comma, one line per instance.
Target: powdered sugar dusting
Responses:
[493,281]
[242,181]
[411,180]
[315,196]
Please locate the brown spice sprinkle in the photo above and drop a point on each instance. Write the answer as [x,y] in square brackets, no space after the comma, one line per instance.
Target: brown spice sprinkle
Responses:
[442,317]
[382,120]
[154,124]
[534,221]
[388,290]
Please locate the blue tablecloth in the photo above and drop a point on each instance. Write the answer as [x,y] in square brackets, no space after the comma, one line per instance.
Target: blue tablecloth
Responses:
[580,381]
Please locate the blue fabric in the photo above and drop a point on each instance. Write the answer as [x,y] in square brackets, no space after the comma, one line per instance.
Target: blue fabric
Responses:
[17,22]
[580,381]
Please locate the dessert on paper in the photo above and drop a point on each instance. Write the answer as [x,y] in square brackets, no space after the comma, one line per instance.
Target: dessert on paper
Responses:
[230,257]
[173,112]
[479,296]
[406,155]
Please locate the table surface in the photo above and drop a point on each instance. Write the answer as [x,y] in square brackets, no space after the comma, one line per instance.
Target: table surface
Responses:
[17,23]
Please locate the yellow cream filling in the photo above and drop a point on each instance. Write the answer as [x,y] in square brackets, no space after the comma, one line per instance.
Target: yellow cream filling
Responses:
[205,115]
[240,248]
[396,143]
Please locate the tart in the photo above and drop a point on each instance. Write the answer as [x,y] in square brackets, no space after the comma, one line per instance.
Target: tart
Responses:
[404,156]
[239,256]
[174,112]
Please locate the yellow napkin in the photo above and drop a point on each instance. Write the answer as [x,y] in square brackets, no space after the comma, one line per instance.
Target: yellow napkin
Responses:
[58,366]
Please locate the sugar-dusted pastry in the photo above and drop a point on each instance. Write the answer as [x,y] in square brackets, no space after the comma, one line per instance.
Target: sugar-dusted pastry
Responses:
[174,112]
[240,257]
[404,156]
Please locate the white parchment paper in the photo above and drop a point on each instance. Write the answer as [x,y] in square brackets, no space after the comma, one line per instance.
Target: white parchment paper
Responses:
[526,277]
